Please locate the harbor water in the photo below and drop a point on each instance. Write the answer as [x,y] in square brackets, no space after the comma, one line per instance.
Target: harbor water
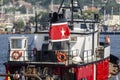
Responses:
[115,48]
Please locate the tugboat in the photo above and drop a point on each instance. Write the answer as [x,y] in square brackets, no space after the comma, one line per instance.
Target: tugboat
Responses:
[69,50]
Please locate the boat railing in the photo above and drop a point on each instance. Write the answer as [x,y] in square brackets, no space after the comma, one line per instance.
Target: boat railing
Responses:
[87,56]
[103,51]
[51,56]
[21,55]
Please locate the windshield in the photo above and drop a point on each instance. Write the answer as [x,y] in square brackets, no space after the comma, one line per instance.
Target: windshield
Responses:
[16,43]
[60,45]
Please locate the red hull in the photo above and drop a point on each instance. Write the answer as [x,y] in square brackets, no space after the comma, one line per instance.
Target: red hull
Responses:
[102,70]
[94,71]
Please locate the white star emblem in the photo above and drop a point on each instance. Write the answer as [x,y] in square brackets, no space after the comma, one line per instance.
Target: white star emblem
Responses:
[63,32]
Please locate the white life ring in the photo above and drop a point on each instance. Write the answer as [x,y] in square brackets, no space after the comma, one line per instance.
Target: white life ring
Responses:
[16,54]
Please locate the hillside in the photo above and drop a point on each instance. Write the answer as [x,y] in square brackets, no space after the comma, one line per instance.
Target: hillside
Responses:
[98,3]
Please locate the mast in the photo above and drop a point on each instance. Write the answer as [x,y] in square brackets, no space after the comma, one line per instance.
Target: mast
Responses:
[119,16]
[72,7]
[104,16]
[112,13]
[36,21]
[71,24]
[13,1]
[72,15]
[51,5]
[1,8]
[2,5]
[92,5]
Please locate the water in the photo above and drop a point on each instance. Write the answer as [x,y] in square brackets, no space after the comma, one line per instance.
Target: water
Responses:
[115,44]
[115,48]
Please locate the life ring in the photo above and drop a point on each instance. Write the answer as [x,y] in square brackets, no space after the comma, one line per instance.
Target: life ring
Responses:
[16,54]
[61,57]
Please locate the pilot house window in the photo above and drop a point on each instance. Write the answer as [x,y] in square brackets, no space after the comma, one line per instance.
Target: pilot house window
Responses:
[91,26]
[60,45]
[83,26]
[16,43]
[46,38]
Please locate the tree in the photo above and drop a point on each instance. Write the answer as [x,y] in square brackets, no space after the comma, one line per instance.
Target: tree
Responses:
[19,25]
[32,20]
[10,10]
[32,1]
[44,19]
[22,9]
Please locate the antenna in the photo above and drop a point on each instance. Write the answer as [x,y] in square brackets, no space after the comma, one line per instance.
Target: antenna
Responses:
[112,13]
[92,5]
[1,8]
[51,5]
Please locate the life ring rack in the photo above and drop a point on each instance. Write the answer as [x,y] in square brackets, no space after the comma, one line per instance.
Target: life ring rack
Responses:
[16,54]
[61,57]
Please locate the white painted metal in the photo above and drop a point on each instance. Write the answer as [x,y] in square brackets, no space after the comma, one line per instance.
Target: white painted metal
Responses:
[39,40]
[94,71]
[106,51]
[81,46]
[78,45]
[22,48]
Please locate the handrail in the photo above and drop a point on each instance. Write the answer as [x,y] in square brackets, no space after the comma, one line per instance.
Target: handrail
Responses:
[89,56]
